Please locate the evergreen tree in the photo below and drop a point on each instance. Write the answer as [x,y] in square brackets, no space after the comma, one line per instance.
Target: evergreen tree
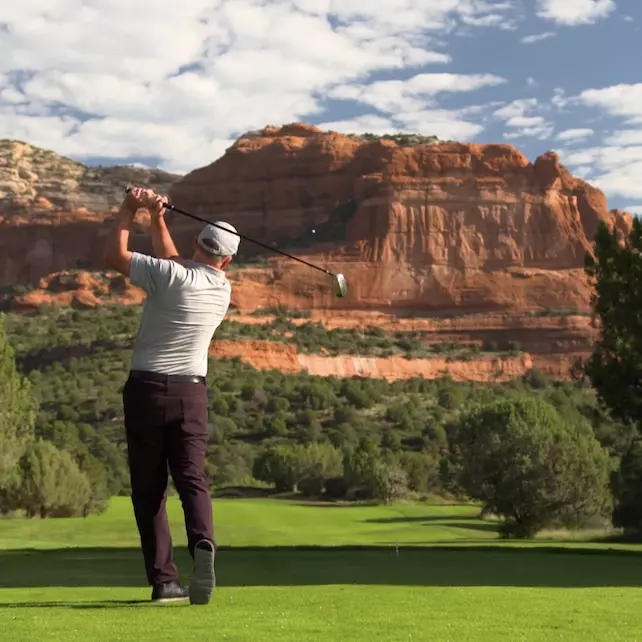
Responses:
[525,463]
[51,484]
[615,366]
[18,409]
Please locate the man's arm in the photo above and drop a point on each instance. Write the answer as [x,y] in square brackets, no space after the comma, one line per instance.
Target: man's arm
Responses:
[117,254]
[164,247]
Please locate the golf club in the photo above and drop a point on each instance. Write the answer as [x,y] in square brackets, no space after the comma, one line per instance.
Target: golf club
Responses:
[338,280]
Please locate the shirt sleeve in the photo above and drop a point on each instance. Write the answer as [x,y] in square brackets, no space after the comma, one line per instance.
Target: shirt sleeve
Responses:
[151,274]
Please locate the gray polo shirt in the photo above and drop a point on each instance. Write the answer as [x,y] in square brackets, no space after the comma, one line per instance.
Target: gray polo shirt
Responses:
[185,304]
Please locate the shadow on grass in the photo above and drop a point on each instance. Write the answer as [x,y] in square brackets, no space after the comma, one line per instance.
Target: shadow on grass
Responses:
[421,518]
[371,503]
[102,604]
[451,521]
[444,566]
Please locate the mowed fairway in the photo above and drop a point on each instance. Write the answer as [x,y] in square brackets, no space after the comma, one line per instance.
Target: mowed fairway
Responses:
[450,579]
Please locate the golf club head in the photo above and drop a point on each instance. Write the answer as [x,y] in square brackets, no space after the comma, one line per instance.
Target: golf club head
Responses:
[340,285]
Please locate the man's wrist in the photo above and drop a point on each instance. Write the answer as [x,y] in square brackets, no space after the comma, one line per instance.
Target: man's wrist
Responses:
[126,210]
[126,216]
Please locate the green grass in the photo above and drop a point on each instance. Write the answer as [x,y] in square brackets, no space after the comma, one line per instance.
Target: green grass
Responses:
[450,579]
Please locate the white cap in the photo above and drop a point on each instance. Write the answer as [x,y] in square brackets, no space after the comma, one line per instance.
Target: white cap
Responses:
[216,241]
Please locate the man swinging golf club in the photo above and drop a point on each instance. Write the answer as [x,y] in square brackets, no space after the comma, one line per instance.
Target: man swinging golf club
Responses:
[165,397]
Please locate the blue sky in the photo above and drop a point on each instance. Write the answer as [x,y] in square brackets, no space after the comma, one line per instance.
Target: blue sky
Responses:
[116,81]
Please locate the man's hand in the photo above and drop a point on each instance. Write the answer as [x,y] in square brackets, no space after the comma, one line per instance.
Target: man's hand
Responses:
[161,238]
[156,206]
[117,254]
[135,199]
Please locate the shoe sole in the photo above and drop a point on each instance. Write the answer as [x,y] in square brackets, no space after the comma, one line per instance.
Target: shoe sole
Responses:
[164,600]
[203,580]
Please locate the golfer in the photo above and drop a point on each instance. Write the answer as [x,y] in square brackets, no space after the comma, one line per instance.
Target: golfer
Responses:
[165,397]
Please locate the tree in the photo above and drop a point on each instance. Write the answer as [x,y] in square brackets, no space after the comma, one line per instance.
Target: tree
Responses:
[322,462]
[361,466]
[281,466]
[627,491]
[275,425]
[18,408]
[390,482]
[51,484]
[449,395]
[527,465]
[615,366]
[422,471]
[299,467]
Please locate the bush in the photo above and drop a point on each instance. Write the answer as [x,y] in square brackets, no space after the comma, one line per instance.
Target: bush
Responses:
[417,434]
[51,484]
[422,472]
[390,482]
[336,488]
[535,379]
[627,490]
[299,468]
[520,459]
[18,409]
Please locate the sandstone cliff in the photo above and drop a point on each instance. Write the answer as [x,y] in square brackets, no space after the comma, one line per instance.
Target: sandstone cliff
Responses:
[271,355]
[425,227]
[38,181]
[53,210]
[429,227]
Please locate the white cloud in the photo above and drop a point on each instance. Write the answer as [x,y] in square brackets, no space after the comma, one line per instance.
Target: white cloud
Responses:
[583,171]
[559,99]
[617,164]
[181,80]
[574,135]
[522,123]
[582,158]
[618,100]
[414,93]
[623,180]
[616,170]
[410,106]
[516,108]
[633,209]
[536,37]
[625,137]
[366,123]
[575,12]
[445,124]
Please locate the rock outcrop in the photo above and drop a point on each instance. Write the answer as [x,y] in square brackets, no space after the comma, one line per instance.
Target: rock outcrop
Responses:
[36,181]
[53,210]
[424,228]
[76,289]
[270,355]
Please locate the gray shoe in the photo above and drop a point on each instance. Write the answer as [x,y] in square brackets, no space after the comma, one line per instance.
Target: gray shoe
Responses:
[203,580]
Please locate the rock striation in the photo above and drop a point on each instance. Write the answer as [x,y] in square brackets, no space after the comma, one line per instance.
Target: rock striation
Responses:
[429,227]
[434,226]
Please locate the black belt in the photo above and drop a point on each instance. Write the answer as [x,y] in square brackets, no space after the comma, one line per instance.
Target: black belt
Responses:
[165,378]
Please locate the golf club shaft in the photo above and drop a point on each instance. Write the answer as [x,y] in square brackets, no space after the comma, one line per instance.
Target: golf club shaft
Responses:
[168,206]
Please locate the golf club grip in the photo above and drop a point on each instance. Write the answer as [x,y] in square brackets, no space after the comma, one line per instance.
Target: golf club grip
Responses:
[169,206]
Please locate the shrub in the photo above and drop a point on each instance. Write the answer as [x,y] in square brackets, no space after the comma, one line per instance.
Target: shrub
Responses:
[51,484]
[525,464]
[627,490]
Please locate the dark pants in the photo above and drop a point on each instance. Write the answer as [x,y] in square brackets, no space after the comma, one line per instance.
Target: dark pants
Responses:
[166,426]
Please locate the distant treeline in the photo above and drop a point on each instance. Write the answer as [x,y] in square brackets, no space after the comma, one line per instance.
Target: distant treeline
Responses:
[352,439]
